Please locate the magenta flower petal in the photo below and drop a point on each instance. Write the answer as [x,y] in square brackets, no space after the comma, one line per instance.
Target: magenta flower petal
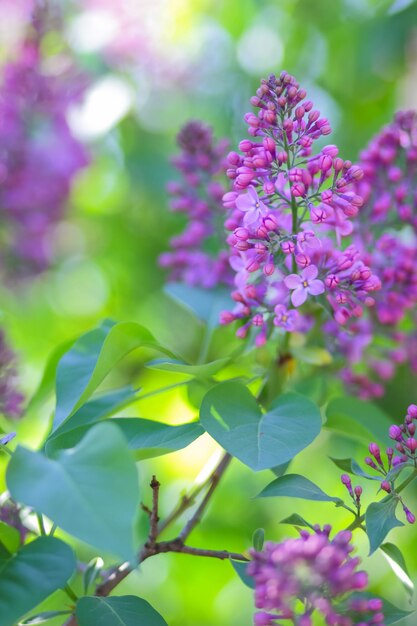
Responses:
[309,273]
[292,281]
[299,296]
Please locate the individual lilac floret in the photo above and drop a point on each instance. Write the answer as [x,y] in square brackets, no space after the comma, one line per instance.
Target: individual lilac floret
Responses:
[198,196]
[289,210]
[11,400]
[300,577]
[39,155]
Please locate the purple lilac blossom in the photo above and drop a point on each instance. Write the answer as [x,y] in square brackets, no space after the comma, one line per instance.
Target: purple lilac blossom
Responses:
[386,233]
[11,400]
[289,211]
[313,574]
[39,157]
[196,257]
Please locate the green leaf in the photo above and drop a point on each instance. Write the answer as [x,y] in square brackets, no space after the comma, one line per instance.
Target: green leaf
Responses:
[206,304]
[279,470]
[258,539]
[90,491]
[31,575]
[92,572]
[369,420]
[397,563]
[9,537]
[380,519]
[84,367]
[117,611]
[204,370]
[295,486]
[352,467]
[240,569]
[231,415]
[296,520]
[71,431]
[41,618]
[150,439]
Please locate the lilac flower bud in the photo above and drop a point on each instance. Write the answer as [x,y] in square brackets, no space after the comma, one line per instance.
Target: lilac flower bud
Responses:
[395,432]
[409,516]
[411,444]
[412,411]
[370,462]
[411,429]
[386,486]
[376,453]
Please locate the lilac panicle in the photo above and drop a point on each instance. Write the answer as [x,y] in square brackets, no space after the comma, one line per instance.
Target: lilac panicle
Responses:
[289,210]
[11,400]
[312,574]
[198,196]
[39,155]
[386,233]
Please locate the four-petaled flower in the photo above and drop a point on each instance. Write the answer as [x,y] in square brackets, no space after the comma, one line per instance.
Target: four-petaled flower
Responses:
[304,284]
[285,318]
[252,206]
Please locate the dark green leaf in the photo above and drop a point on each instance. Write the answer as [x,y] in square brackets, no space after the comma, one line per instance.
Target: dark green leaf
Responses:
[397,563]
[280,470]
[380,519]
[41,618]
[231,415]
[369,420]
[117,611]
[149,438]
[84,367]
[296,520]
[258,539]
[295,486]
[92,572]
[31,575]
[90,491]
[240,569]
[204,370]
[352,467]
[71,431]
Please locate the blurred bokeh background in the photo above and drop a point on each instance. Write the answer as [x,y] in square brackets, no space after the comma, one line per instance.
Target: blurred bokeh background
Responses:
[115,80]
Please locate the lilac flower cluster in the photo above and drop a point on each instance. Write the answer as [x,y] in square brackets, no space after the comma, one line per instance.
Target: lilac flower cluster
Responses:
[11,400]
[386,234]
[195,257]
[298,577]
[288,213]
[39,157]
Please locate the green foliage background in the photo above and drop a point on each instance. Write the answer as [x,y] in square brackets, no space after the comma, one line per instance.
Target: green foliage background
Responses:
[357,59]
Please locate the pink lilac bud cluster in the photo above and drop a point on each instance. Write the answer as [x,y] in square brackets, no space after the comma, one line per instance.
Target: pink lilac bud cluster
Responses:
[386,233]
[312,574]
[354,492]
[39,156]
[11,400]
[289,211]
[195,257]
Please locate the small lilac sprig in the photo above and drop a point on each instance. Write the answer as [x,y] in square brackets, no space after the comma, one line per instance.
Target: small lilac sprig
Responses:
[355,493]
[297,578]
[198,195]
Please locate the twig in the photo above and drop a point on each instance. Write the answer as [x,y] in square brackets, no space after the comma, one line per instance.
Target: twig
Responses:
[154,519]
[214,481]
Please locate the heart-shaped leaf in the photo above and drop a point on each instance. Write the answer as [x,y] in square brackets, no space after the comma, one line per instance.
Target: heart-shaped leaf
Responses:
[90,491]
[31,575]
[295,486]
[231,415]
[380,519]
[117,611]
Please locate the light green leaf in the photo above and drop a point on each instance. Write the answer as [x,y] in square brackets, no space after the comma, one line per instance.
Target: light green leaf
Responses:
[81,489]
[41,618]
[398,565]
[295,486]
[31,575]
[117,611]
[312,355]
[258,539]
[231,415]
[9,537]
[380,519]
[92,572]
[204,370]
[295,520]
